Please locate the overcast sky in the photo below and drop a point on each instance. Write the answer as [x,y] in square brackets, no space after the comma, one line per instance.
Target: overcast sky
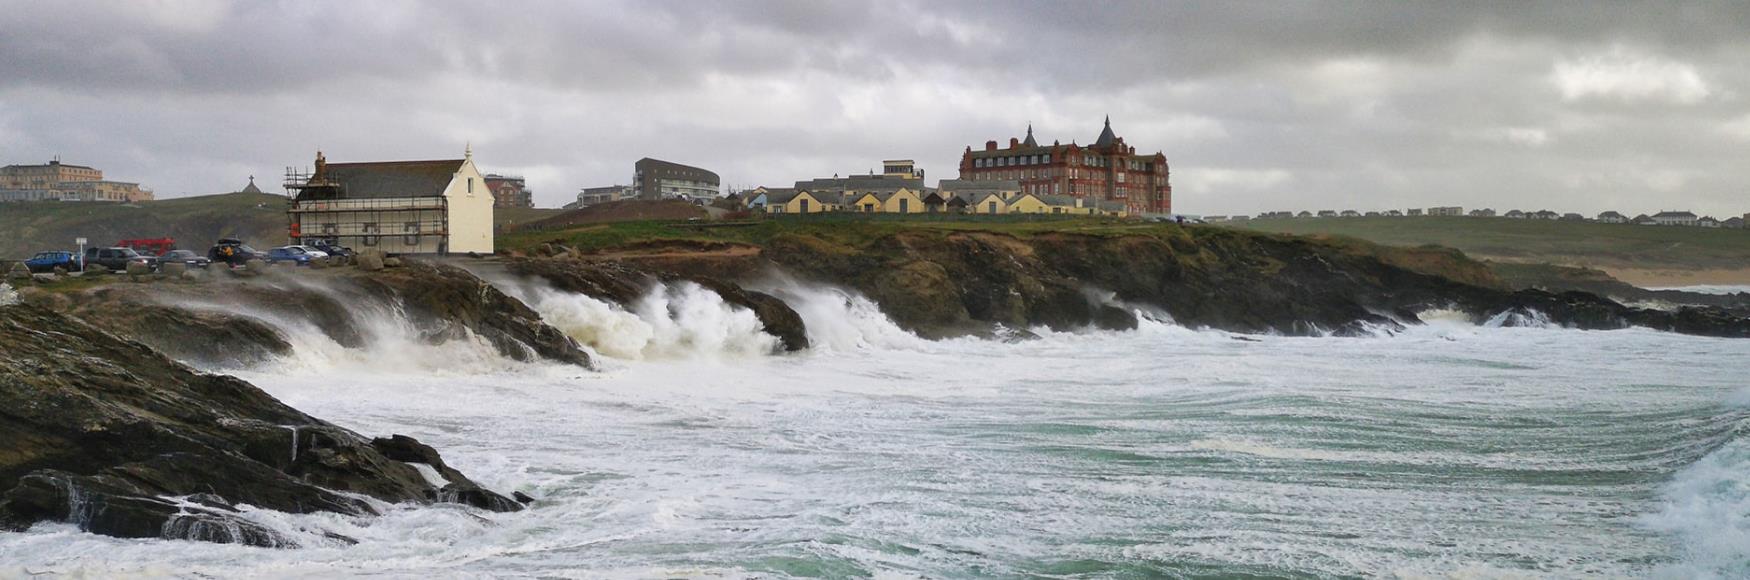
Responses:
[1258,106]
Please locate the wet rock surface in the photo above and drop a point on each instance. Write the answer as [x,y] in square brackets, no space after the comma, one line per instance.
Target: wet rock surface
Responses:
[940,283]
[117,439]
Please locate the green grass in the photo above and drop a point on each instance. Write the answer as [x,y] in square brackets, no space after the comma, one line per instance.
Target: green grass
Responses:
[847,229]
[1579,243]
[27,228]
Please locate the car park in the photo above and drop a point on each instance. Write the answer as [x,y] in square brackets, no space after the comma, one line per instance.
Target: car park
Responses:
[185,257]
[118,258]
[48,261]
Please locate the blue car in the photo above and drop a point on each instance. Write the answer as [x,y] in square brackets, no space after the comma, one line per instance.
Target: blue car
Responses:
[48,261]
[293,254]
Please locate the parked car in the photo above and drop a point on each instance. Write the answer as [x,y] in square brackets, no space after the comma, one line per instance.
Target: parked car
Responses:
[48,261]
[187,257]
[118,258]
[332,249]
[293,254]
[233,252]
[313,251]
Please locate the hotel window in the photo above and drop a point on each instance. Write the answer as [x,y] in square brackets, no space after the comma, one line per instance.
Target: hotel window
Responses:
[370,231]
[410,233]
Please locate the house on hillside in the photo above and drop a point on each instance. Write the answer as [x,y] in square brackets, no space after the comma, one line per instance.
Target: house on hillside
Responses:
[1573,217]
[1643,220]
[1733,223]
[1414,212]
[1350,213]
[1325,213]
[1394,213]
[1544,214]
[1707,222]
[1611,217]
[1485,212]
[799,201]
[1514,214]
[401,207]
[1371,214]
[1303,214]
[1449,211]
[1675,218]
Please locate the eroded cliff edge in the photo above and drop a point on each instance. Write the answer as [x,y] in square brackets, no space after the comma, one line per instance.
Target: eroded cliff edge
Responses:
[114,437]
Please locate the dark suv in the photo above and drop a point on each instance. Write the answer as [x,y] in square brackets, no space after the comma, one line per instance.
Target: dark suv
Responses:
[118,258]
[233,252]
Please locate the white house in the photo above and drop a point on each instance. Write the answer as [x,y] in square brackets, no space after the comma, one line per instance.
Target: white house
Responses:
[399,207]
[1674,218]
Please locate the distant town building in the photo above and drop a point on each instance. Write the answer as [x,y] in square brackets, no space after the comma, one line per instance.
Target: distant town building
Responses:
[589,196]
[1106,170]
[1269,215]
[1372,214]
[1573,217]
[56,181]
[1515,214]
[1303,214]
[1643,220]
[509,191]
[1324,213]
[1350,213]
[1707,222]
[1446,211]
[1394,213]
[1414,212]
[1612,217]
[1733,223]
[658,179]
[1485,212]
[1544,214]
[896,175]
[411,207]
[1674,218]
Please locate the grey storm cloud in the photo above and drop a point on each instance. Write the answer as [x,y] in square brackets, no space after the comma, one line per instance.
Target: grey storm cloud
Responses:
[1574,106]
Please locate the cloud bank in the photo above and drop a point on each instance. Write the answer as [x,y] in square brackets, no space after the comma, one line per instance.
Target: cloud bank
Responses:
[1258,105]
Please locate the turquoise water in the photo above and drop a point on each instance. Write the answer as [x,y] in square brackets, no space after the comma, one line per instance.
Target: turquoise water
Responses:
[1447,451]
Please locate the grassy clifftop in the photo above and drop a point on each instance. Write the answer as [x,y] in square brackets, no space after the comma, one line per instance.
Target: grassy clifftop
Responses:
[27,228]
[856,233]
[1578,243]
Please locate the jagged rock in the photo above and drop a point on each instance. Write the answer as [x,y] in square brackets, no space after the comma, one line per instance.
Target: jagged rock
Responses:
[777,317]
[97,269]
[45,278]
[1114,318]
[370,260]
[447,303]
[100,430]
[391,262]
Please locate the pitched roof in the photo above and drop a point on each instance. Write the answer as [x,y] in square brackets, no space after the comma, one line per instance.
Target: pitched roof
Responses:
[1029,142]
[978,185]
[251,188]
[393,178]
[1674,214]
[1106,137]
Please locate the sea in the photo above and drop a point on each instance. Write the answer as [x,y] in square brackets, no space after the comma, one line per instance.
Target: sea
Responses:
[1448,450]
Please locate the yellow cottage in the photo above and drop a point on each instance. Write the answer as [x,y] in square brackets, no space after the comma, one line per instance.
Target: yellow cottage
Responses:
[867,202]
[799,202]
[903,200]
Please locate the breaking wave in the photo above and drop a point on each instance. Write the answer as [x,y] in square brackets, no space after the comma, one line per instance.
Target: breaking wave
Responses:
[837,319]
[670,321]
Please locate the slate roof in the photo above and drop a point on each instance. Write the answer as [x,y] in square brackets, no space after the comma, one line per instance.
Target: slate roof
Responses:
[1106,137]
[387,179]
[978,185]
[1675,214]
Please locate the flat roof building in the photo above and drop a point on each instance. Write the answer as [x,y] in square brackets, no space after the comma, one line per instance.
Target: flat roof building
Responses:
[658,179]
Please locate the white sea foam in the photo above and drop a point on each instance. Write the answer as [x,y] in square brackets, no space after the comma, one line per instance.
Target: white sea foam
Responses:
[7,294]
[1450,450]
[670,322]
[1710,288]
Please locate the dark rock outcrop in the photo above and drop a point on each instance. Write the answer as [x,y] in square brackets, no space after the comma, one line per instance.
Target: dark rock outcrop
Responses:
[235,322]
[114,437]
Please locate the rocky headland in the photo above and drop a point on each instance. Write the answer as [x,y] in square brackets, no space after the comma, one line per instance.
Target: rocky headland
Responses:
[111,428]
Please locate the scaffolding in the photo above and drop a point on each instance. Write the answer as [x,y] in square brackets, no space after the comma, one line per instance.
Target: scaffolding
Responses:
[319,212]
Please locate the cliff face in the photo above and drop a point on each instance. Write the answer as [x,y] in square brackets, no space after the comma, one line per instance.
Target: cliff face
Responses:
[222,322]
[112,436]
[941,283]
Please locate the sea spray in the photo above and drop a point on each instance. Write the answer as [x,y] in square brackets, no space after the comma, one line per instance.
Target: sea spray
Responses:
[838,319]
[7,294]
[681,320]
